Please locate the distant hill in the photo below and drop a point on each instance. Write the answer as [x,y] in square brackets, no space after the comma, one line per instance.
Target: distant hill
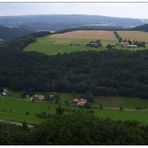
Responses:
[141,28]
[92,28]
[58,22]
[8,33]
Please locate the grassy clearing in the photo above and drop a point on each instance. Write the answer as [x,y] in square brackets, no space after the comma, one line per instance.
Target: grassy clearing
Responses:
[127,102]
[14,108]
[141,116]
[53,46]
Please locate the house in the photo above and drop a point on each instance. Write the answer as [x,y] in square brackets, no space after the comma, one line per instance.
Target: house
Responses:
[38,97]
[4,92]
[95,44]
[75,101]
[82,101]
[132,46]
[124,43]
[79,102]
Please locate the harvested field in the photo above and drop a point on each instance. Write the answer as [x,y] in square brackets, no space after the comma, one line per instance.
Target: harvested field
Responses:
[86,34]
[134,35]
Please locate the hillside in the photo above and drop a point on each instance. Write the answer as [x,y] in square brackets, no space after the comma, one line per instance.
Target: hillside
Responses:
[58,22]
[8,33]
[141,28]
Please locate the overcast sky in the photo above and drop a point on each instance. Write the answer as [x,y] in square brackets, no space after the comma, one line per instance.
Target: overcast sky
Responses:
[132,10]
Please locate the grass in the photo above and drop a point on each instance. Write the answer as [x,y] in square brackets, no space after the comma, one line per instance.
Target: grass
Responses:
[141,116]
[14,108]
[127,102]
[52,46]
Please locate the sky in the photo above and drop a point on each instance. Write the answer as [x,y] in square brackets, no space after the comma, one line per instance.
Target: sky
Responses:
[128,10]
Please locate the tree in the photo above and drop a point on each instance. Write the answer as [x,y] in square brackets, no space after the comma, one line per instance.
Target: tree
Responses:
[59,110]
[121,108]
[89,96]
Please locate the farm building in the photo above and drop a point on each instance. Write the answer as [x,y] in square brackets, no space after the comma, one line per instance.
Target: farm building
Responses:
[95,44]
[124,43]
[80,101]
[38,97]
[4,92]
[132,46]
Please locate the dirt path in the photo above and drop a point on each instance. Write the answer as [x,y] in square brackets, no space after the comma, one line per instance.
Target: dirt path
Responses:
[15,123]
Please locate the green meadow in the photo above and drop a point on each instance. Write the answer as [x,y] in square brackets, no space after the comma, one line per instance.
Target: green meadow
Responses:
[15,108]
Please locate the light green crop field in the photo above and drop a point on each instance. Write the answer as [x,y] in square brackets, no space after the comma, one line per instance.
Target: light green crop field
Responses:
[14,108]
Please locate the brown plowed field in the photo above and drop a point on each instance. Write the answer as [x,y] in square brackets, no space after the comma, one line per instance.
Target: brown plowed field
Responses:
[86,34]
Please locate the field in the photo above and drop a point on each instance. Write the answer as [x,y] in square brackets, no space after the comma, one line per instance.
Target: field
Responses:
[102,35]
[76,41]
[61,43]
[14,108]
[134,35]
[53,46]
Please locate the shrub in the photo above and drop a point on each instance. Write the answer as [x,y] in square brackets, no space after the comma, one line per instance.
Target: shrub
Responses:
[43,115]
[139,108]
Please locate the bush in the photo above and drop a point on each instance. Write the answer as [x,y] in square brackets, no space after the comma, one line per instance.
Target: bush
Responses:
[43,115]
[101,106]
[59,110]
[139,108]
[27,113]
[121,108]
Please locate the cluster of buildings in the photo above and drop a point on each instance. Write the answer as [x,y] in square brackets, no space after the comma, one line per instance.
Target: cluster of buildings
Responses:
[79,102]
[126,44]
[95,44]
[36,97]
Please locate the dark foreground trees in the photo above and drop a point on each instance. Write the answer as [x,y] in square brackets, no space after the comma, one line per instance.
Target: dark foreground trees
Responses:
[77,129]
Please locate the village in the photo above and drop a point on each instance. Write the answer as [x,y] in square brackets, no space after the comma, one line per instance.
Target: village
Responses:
[122,43]
[51,97]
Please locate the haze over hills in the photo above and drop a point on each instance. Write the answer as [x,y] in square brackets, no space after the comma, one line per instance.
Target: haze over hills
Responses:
[58,22]
[8,33]
[141,28]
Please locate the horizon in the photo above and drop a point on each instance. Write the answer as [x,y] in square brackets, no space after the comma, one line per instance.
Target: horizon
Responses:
[72,14]
[97,9]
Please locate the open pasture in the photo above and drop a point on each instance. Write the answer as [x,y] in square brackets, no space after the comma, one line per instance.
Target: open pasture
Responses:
[86,34]
[134,35]
[14,108]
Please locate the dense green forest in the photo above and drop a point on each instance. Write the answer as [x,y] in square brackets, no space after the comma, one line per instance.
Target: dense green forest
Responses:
[77,129]
[107,73]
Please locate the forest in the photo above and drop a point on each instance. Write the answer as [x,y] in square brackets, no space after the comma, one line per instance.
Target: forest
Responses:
[106,73]
[76,129]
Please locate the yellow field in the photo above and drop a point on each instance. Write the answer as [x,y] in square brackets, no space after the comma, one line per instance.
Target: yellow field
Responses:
[86,34]
[134,35]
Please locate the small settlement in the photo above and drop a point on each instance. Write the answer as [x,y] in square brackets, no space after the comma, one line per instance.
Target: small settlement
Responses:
[128,44]
[94,44]
[79,102]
